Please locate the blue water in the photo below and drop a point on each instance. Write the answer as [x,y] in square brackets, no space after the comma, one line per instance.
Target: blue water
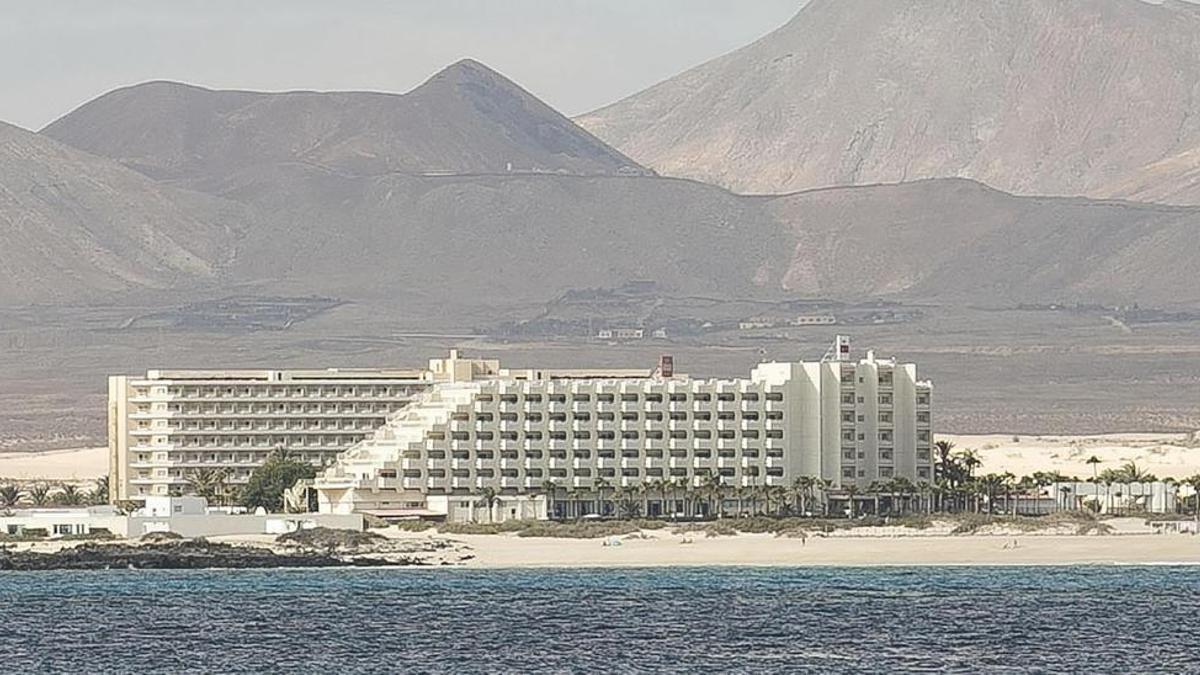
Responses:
[1003,620]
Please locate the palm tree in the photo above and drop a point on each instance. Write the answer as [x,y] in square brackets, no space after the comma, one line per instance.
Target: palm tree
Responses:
[851,493]
[68,495]
[207,482]
[1194,481]
[713,489]
[945,455]
[39,494]
[1095,462]
[602,484]
[99,494]
[10,495]
[488,498]
[550,488]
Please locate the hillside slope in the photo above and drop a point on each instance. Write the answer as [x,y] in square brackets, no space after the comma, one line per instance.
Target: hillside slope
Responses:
[1058,97]
[75,227]
[958,241]
[465,119]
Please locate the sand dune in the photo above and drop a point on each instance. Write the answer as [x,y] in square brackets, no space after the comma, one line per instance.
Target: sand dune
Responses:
[1164,455]
[75,464]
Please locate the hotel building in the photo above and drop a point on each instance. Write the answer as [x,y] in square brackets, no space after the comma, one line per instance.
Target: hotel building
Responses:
[169,423]
[846,422]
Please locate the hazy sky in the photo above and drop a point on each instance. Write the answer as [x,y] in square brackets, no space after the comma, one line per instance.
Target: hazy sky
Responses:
[575,54]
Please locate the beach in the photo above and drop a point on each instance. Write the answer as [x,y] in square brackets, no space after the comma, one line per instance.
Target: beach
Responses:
[666,549]
[77,464]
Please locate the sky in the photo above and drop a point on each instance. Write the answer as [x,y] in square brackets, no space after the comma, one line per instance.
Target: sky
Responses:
[576,55]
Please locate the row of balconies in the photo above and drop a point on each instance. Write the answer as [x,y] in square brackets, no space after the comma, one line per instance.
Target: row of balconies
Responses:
[527,483]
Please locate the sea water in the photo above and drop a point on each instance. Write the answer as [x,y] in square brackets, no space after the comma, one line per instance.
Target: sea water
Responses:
[823,620]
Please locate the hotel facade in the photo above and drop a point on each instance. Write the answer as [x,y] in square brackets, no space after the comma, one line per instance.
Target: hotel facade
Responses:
[168,424]
[509,436]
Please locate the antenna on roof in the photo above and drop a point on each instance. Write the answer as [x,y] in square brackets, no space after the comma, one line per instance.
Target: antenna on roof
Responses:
[839,350]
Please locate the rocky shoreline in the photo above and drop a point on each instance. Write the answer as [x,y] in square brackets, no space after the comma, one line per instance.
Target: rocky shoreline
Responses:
[186,554]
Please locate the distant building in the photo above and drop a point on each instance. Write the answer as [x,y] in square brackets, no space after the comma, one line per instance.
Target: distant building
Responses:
[621,334]
[755,323]
[847,422]
[815,320]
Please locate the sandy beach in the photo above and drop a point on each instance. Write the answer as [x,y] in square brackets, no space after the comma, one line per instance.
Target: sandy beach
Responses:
[78,464]
[665,549]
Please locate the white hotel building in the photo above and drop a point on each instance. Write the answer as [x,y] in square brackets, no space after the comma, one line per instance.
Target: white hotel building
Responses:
[169,423]
[847,422]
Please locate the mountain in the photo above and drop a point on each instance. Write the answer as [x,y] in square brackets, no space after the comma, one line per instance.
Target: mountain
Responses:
[1057,97]
[466,119]
[76,227]
[958,241]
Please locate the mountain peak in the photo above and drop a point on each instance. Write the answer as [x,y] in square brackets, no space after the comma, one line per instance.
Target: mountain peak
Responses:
[465,119]
[1060,97]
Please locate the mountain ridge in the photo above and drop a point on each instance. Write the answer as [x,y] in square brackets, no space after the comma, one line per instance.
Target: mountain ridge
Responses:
[1031,96]
[464,119]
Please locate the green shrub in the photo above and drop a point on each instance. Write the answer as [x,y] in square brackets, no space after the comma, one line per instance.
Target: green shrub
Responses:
[414,525]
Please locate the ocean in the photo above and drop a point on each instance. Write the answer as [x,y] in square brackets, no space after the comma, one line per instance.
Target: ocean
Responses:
[1143,619]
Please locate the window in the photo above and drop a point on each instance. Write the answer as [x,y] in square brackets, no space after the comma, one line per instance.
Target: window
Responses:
[678,398]
[606,435]
[581,416]
[654,398]
[629,398]
[703,397]
[629,417]
[508,417]
[484,416]
[726,433]
[604,398]
[679,417]
[557,398]
[485,435]
[533,398]
[533,435]
[630,435]
[533,417]
[775,396]
[774,433]
[581,398]
[605,417]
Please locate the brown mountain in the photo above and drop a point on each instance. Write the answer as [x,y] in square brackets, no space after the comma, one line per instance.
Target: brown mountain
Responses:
[1064,97]
[465,119]
[76,227]
[959,241]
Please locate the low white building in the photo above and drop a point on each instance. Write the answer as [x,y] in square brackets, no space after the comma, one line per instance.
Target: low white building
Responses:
[1116,498]
[185,516]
